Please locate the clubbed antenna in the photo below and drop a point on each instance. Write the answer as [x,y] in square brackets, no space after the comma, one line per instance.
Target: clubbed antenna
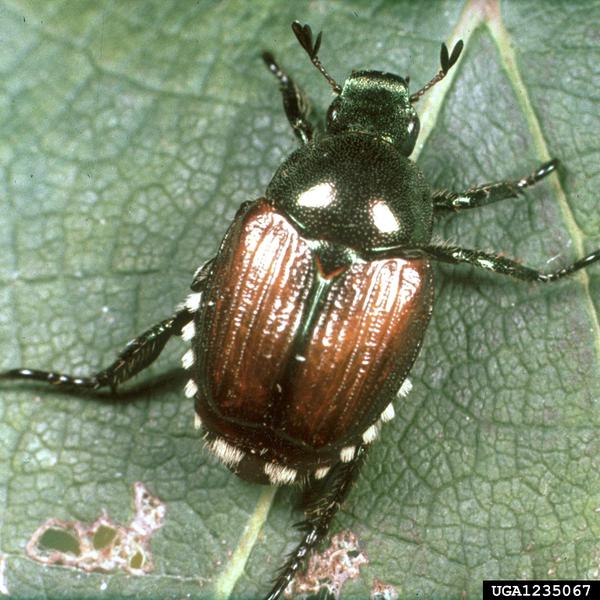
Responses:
[446,61]
[304,35]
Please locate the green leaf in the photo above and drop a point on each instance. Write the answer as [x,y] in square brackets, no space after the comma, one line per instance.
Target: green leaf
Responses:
[130,133]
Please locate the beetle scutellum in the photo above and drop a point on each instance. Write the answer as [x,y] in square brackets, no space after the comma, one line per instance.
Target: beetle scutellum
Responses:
[315,306]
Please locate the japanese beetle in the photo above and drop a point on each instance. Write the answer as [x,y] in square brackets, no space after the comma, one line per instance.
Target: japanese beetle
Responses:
[316,304]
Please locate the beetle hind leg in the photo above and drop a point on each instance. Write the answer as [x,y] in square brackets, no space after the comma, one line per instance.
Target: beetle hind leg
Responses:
[135,357]
[321,503]
[295,103]
[481,195]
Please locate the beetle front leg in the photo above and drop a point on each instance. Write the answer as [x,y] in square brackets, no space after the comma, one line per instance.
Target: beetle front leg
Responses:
[295,104]
[488,193]
[136,356]
[324,501]
[500,264]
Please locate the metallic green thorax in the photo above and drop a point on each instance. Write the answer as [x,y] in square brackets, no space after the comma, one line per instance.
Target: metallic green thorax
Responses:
[377,103]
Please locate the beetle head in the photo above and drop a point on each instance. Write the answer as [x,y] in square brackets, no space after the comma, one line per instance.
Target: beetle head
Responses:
[372,101]
[376,103]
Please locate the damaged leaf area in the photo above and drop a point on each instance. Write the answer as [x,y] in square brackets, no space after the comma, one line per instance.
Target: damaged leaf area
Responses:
[329,570]
[104,546]
[383,591]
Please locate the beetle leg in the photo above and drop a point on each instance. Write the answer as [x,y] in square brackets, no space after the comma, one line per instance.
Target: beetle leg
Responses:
[499,264]
[295,103]
[487,193]
[324,500]
[138,354]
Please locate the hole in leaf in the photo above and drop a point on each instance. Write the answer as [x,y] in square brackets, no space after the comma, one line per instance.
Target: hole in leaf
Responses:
[137,561]
[60,540]
[103,537]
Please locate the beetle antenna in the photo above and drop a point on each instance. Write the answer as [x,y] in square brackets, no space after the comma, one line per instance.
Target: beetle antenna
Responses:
[447,62]
[304,35]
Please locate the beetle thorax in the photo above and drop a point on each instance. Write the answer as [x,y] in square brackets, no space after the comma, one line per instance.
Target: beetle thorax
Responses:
[354,189]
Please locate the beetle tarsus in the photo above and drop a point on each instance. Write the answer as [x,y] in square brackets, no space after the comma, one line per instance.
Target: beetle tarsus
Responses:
[545,169]
[497,263]
[136,356]
[489,193]
[56,379]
